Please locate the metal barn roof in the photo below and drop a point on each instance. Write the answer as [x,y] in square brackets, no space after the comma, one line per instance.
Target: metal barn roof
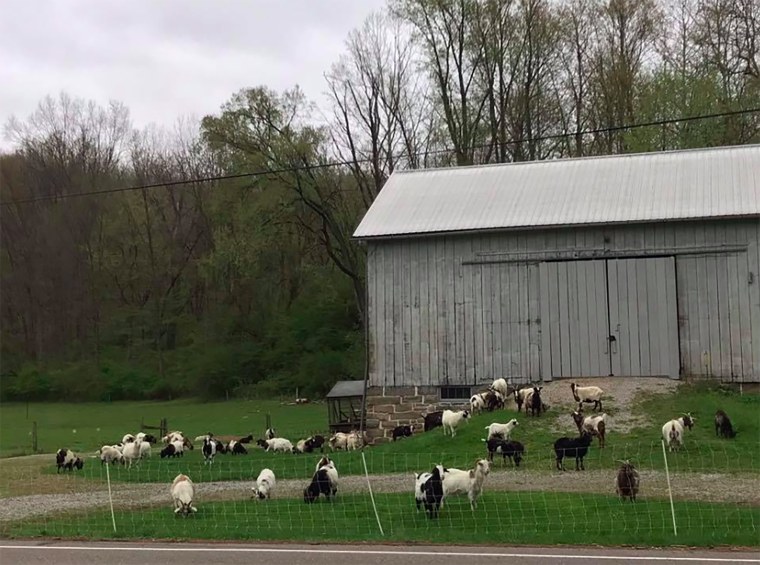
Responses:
[644,187]
[343,389]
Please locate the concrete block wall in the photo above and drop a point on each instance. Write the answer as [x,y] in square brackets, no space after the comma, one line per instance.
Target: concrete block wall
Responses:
[388,407]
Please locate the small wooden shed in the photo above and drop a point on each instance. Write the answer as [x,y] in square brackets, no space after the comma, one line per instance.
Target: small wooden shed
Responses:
[344,406]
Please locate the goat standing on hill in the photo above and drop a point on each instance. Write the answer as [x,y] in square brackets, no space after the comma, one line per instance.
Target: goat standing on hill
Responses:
[587,394]
[595,425]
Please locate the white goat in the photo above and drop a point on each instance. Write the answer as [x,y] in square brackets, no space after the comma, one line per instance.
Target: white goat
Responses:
[109,454]
[131,453]
[501,386]
[338,440]
[264,484]
[354,441]
[523,397]
[279,444]
[128,438]
[673,431]
[451,420]
[477,403]
[183,493]
[144,449]
[456,481]
[587,394]
[503,430]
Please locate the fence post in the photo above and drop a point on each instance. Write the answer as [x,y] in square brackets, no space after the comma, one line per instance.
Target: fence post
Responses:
[267,421]
[34,436]
[670,492]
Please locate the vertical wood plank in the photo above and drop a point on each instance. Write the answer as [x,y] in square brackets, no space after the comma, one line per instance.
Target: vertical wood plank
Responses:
[564,321]
[632,277]
[536,315]
[671,299]
[546,326]
[613,288]
[524,326]
[585,363]
[753,266]
[575,326]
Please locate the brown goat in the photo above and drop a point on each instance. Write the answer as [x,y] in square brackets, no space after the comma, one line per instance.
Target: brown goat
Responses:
[627,481]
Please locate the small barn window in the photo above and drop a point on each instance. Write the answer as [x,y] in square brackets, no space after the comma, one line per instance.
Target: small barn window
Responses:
[455,393]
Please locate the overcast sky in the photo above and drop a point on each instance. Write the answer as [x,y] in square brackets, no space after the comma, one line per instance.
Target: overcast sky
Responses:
[167,58]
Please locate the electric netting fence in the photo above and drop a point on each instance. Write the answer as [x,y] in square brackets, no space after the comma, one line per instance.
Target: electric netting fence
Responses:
[715,497]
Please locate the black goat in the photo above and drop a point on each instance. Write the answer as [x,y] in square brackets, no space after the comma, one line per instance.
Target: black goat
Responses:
[314,442]
[627,481]
[170,451]
[402,431]
[536,404]
[320,484]
[723,427]
[576,447]
[512,449]
[433,420]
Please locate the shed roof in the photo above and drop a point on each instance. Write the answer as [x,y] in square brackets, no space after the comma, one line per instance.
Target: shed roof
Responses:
[644,187]
[344,389]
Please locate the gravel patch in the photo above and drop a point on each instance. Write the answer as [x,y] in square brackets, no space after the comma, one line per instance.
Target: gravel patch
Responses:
[744,489]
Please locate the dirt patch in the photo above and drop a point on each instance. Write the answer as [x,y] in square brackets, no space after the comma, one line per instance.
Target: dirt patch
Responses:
[618,401]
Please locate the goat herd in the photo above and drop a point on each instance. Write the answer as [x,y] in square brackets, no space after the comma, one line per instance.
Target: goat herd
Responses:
[431,488]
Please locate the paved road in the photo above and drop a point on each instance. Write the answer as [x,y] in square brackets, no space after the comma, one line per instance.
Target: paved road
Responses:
[87,553]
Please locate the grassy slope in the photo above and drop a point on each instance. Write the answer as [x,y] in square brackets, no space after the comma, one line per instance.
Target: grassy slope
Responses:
[99,423]
[528,518]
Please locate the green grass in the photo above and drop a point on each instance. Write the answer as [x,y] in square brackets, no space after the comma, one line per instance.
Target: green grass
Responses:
[100,423]
[503,518]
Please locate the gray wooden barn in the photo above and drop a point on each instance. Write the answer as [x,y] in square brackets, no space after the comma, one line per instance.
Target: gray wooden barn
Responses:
[628,265]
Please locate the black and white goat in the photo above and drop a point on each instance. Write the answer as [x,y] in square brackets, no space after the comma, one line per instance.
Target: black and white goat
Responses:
[265,483]
[209,449]
[67,460]
[576,447]
[428,490]
[673,431]
[506,448]
[402,431]
[433,420]
[324,481]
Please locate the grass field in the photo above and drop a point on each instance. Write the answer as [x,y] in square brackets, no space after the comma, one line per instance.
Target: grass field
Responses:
[85,427]
[522,518]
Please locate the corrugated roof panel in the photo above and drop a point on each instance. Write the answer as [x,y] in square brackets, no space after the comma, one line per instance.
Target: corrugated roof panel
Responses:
[675,185]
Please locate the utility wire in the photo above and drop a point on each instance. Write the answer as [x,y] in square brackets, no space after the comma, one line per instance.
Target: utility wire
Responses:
[331,164]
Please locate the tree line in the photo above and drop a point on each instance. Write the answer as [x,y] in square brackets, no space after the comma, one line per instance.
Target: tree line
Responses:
[253,286]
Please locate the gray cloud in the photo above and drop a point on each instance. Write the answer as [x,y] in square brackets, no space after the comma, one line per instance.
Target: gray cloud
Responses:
[168,58]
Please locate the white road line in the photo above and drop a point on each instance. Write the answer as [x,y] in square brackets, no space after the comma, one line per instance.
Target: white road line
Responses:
[380,552]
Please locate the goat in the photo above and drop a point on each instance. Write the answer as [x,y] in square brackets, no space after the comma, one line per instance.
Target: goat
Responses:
[324,481]
[402,431]
[502,430]
[575,447]
[521,396]
[456,481]
[67,460]
[208,449]
[270,433]
[428,490]
[595,425]
[477,402]
[502,387]
[627,481]
[264,484]
[109,454]
[275,444]
[587,394]
[170,451]
[338,440]
[183,492]
[723,427]
[451,420]
[237,448]
[433,420]
[673,431]
[536,404]
[512,449]
[131,453]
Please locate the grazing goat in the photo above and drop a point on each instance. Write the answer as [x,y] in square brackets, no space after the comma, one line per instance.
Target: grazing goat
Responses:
[275,444]
[673,431]
[477,402]
[208,449]
[627,481]
[337,441]
[237,448]
[428,490]
[587,394]
[536,405]
[512,449]
[576,447]
[131,453]
[183,492]
[501,430]
[451,420]
[595,425]
[433,420]
[402,431]
[355,440]
[470,482]
[265,483]
[110,454]
[723,427]
[67,460]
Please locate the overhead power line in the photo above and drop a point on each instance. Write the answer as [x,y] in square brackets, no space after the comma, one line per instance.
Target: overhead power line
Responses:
[344,163]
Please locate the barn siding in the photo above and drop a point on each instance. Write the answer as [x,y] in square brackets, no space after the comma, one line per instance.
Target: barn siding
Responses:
[461,309]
